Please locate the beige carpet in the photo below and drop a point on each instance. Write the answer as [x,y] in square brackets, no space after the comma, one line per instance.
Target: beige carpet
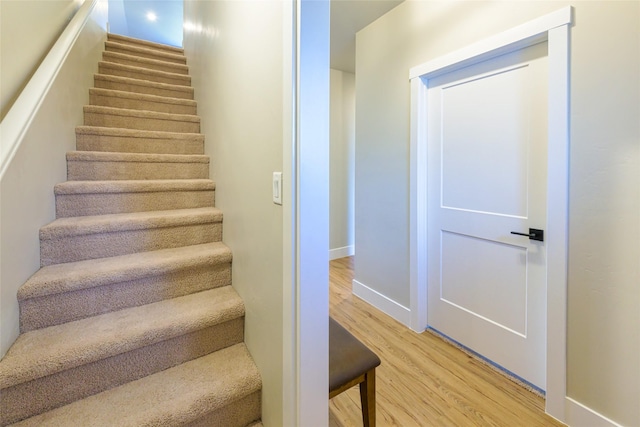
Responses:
[132,319]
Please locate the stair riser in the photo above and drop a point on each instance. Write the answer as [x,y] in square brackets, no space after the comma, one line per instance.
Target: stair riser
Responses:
[150,54]
[240,413]
[135,74]
[69,306]
[101,171]
[43,394]
[124,144]
[140,123]
[93,246]
[136,104]
[144,89]
[68,205]
[167,66]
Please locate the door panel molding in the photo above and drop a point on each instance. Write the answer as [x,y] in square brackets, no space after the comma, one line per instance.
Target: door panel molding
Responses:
[553,28]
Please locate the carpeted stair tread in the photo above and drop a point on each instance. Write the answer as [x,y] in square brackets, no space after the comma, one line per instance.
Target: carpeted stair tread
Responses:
[135,133]
[144,52]
[80,238]
[80,226]
[142,97]
[177,396]
[130,100]
[105,165]
[111,68]
[140,114]
[144,43]
[153,64]
[95,115]
[98,138]
[82,198]
[73,276]
[63,293]
[133,186]
[101,156]
[46,351]
[128,84]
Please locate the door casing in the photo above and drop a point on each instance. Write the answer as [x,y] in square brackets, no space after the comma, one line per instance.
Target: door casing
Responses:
[553,28]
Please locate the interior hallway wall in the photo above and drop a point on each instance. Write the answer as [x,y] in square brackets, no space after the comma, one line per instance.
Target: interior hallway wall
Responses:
[342,163]
[235,53]
[28,29]
[26,189]
[603,366]
[245,58]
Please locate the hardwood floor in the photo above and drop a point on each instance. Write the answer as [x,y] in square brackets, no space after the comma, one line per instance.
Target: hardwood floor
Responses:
[423,380]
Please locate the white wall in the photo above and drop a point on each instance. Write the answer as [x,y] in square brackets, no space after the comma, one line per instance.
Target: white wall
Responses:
[26,188]
[28,29]
[241,57]
[342,163]
[235,54]
[603,366]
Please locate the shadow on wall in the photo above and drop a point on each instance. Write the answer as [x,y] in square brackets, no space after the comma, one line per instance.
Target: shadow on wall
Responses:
[154,20]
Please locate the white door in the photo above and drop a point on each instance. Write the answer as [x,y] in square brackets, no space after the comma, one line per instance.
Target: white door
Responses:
[487,177]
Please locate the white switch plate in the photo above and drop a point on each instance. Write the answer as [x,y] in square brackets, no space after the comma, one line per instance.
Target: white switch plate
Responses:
[277,188]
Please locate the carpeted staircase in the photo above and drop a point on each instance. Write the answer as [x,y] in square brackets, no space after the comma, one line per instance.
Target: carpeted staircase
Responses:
[132,320]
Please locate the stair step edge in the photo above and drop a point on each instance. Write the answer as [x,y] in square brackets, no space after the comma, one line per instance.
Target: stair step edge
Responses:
[136,133]
[142,97]
[197,387]
[133,40]
[145,51]
[142,70]
[74,276]
[123,222]
[149,61]
[139,82]
[105,156]
[133,186]
[50,350]
[140,114]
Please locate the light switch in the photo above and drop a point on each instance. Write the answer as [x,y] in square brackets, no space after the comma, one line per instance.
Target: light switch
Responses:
[277,188]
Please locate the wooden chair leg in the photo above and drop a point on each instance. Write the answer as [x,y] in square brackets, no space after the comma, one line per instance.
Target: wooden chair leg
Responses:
[368,398]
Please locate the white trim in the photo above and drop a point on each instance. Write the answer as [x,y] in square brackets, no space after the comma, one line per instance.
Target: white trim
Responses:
[388,306]
[311,213]
[418,209]
[557,219]
[290,365]
[554,28]
[511,40]
[578,414]
[341,252]
[21,114]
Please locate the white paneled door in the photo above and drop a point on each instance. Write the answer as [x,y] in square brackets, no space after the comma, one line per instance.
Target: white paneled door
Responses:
[487,163]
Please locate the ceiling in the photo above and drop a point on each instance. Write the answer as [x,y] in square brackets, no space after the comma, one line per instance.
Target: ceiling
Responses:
[129,17]
[347,18]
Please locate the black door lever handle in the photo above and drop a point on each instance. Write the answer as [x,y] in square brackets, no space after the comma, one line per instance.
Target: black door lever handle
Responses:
[534,234]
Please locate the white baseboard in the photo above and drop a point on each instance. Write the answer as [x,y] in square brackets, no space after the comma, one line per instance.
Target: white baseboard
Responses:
[579,415]
[399,312]
[341,252]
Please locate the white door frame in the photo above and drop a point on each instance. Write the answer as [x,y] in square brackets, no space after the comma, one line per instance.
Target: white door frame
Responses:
[553,28]
[306,221]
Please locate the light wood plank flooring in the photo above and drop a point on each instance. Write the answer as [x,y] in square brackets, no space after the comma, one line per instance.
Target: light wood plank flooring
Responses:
[423,380]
